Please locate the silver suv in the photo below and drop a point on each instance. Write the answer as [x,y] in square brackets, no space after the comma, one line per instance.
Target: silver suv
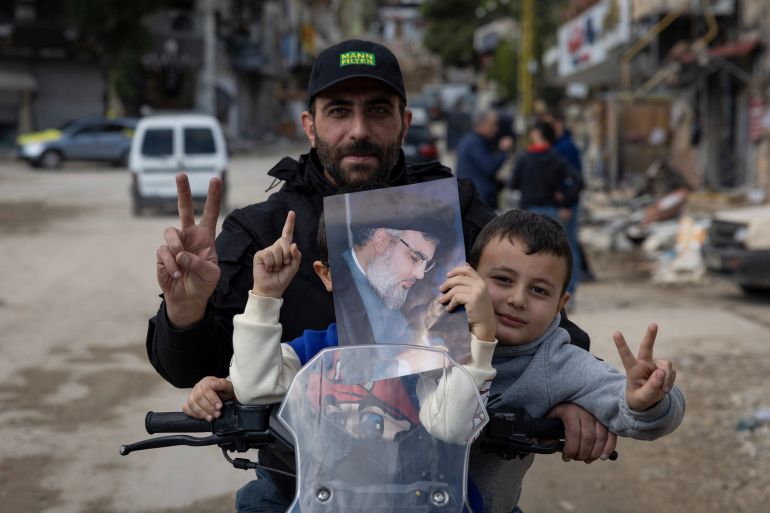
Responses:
[94,139]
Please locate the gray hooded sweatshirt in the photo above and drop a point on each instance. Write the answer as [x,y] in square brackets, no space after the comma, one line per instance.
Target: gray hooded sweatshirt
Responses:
[549,371]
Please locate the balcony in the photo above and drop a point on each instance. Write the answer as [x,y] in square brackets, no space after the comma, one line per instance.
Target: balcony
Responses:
[642,9]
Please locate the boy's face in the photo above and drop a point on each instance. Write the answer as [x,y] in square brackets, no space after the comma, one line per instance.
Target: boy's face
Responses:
[526,290]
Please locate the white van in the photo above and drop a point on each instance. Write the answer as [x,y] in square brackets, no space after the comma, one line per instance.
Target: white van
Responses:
[164,145]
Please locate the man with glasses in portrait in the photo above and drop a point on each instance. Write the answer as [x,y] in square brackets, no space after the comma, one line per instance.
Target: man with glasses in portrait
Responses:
[392,252]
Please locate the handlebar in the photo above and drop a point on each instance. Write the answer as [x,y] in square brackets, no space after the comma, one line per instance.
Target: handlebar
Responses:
[239,428]
[176,422]
[514,433]
[511,433]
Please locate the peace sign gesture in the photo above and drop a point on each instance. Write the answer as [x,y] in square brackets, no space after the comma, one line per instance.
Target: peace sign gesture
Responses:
[187,265]
[275,266]
[648,380]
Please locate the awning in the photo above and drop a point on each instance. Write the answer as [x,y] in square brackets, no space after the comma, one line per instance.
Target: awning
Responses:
[17,81]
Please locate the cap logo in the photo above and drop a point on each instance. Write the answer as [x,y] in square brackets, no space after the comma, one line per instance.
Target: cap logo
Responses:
[360,58]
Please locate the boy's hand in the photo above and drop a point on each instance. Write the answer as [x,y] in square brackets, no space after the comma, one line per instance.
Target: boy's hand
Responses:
[648,380]
[205,400]
[275,266]
[465,287]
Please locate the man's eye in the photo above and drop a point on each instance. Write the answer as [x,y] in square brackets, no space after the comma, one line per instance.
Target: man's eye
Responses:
[379,111]
[338,112]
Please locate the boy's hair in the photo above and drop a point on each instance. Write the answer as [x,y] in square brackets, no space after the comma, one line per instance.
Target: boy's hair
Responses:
[323,245]
[537,233]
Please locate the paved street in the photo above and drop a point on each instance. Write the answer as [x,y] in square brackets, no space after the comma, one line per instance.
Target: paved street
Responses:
[77,285]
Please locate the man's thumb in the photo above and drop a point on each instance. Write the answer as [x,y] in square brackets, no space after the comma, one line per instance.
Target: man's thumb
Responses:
[184,260]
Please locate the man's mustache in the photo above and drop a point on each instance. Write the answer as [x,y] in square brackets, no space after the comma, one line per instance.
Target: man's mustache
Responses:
[361,147]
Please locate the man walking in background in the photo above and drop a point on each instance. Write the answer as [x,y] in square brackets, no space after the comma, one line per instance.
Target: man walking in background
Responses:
[478,159]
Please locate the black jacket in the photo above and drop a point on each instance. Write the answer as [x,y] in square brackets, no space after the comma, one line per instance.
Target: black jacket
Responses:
[540,175]
[183,357]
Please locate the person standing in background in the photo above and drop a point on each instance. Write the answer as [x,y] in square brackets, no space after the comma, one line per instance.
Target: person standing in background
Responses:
[565,146]
[548,184]
[477,158]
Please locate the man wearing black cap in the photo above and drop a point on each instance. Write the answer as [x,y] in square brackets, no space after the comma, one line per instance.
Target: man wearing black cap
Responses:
[355,122]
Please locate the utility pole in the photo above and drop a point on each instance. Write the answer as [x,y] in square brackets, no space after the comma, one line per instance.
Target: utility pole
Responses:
[206,95]
[526,55]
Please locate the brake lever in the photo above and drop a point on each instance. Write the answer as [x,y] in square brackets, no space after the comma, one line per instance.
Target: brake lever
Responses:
[173,440]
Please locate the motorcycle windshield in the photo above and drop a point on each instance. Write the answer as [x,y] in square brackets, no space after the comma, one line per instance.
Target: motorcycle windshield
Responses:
[382,428]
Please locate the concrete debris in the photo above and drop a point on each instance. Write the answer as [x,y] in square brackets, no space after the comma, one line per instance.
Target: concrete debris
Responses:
[669,229]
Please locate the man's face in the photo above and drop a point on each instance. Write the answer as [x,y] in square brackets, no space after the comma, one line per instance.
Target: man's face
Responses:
[357,131]
[526,290]
[394,271]
[488,127]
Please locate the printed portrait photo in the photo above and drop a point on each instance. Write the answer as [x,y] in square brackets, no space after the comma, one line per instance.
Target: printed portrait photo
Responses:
[389,251]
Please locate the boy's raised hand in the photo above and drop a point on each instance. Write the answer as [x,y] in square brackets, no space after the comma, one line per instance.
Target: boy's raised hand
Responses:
[648,380]
[275,266]
[465,287]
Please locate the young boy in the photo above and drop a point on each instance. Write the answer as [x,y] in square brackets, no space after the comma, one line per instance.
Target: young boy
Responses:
[524,259]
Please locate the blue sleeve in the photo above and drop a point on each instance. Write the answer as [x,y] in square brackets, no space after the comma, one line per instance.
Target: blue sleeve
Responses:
[485,161]
[311,342]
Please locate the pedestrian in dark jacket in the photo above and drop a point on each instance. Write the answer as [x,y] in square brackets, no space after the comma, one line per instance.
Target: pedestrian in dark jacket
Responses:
[479,157]
[544,177]
[565,146]
[355,123]
[549,186]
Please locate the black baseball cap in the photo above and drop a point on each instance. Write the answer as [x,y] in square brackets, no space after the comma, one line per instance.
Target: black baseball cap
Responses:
[355,58]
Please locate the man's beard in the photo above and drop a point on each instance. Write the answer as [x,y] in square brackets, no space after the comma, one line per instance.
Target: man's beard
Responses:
[380,276]
[331,160]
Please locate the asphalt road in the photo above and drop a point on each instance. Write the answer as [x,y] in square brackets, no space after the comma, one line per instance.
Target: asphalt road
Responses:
[77,285]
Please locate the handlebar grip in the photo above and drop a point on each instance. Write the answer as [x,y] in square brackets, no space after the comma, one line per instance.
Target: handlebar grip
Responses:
[174,422]
[553,429]
[548,429]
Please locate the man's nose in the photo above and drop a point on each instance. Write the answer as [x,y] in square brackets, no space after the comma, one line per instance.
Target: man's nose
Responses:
[419,270]
[359,128]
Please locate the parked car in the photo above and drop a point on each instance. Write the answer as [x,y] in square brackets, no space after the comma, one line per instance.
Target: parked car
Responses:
[92,139]
[419,144]
[738,246]
[165,145]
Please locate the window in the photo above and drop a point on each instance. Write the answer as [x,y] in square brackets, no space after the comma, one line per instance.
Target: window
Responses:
[199,141]
[158,142]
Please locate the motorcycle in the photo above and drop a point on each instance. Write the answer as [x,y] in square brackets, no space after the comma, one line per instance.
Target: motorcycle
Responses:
[379,428]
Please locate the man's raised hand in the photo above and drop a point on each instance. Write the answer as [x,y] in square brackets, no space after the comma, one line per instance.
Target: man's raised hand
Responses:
[187,266]
[275,266]
[648,380]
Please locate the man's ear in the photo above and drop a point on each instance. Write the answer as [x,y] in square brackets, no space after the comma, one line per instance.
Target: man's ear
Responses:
[323,272]
[405,123]
[381,240]
[308,125]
